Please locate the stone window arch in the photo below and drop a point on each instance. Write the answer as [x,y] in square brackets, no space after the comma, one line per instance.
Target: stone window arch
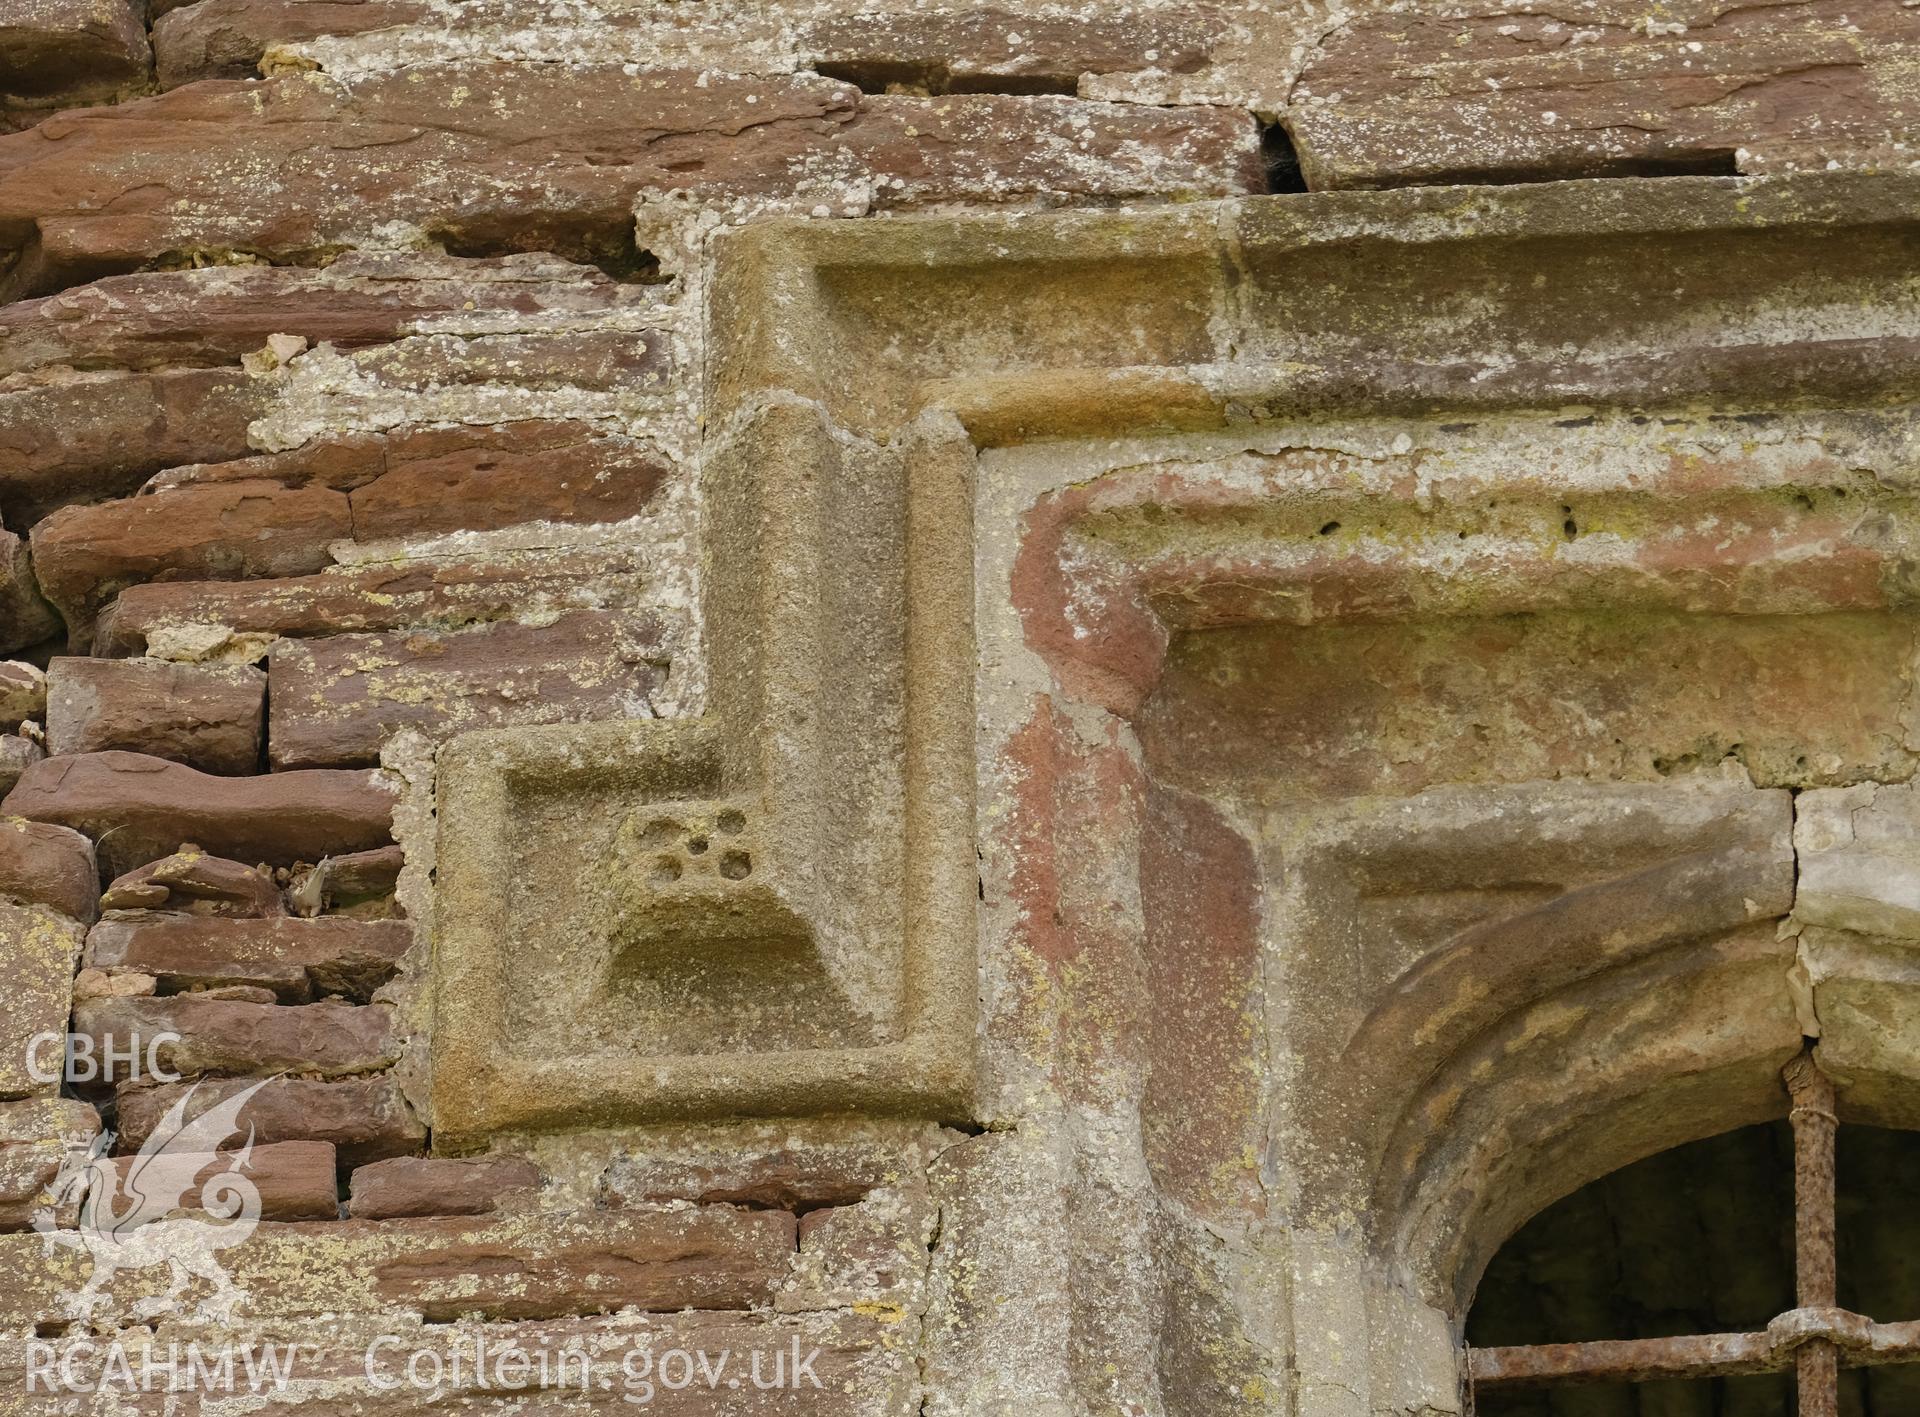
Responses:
[1813,1336]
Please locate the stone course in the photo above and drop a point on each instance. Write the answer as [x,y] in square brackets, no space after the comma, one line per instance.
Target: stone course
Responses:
[192,882]
[298,960]
[365,1118]
[417,1185]
[152,806]
[35,1140]
[45,864]
[208,717]
[337,700]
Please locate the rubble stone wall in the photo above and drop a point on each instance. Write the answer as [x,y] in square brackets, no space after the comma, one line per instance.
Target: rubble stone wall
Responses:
[926,682]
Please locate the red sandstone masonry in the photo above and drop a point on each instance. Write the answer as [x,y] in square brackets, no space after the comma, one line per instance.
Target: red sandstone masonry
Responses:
[44,864]
[39,951]
[196,884]
[17,754]
[101,435]
[514,479]
[365,1118]
[35,1138]
[227,530]
[350,880]
[278,516]
[25,617]
[418,1185]
[139,808]
[992,50]
[1395,99]
[297,959]
[214,316]
[710,1257]
[208,716]
[71,50]
[228,1036]
[420,481]
[336,701]
[23,693]
[431,594]
[777,1176]
[112,189]
[224,39]
[295,1179]
[957,49]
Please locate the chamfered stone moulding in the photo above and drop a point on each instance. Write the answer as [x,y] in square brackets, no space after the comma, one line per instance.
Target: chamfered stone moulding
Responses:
[1192,418]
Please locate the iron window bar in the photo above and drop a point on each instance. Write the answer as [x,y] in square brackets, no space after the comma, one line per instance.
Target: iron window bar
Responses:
[1816,1339]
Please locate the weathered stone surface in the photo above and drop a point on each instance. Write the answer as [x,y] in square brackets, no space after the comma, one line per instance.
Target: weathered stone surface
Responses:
[1535,978]
[1354,708]
[193,882]
[140,809]
[596,360]
[100,435]
[873,1253]
[335,701]
[992,50]
[365,1118]
[38,952]
[417,482]
[227,1036]
[239,994]
[1504,95]
[219,314]
[712,1257]
[418,1185]
[1000,1200]
[224,39]
[218,530]
[17,754]
[345,881]
[433,594]
[25,617]
[1204,1111]
[1859,854]
[295,1179]
[1628,912]
[207,716]
[526,170]
[23,693]
[773,1167]
[298,960]
[36,1137]
[98,984]
[72,49]
[44,864]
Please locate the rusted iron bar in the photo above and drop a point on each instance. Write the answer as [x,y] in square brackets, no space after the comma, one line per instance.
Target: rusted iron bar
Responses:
[1631,1360]
[1815,1120]
[1857,1341]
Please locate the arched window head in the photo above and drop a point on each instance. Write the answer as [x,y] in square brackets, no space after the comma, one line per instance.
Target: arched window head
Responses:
[1717,1278]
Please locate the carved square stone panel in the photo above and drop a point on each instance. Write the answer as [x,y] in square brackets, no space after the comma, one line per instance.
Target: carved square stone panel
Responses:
[767,909]
[1385,490]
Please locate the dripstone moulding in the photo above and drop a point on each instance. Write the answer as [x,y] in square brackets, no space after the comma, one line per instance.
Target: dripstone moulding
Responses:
[772,909]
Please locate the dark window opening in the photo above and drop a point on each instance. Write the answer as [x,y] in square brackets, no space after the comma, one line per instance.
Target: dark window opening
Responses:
[1695,1252]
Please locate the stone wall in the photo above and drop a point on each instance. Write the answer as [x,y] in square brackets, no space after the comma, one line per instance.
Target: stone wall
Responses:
[921,681]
